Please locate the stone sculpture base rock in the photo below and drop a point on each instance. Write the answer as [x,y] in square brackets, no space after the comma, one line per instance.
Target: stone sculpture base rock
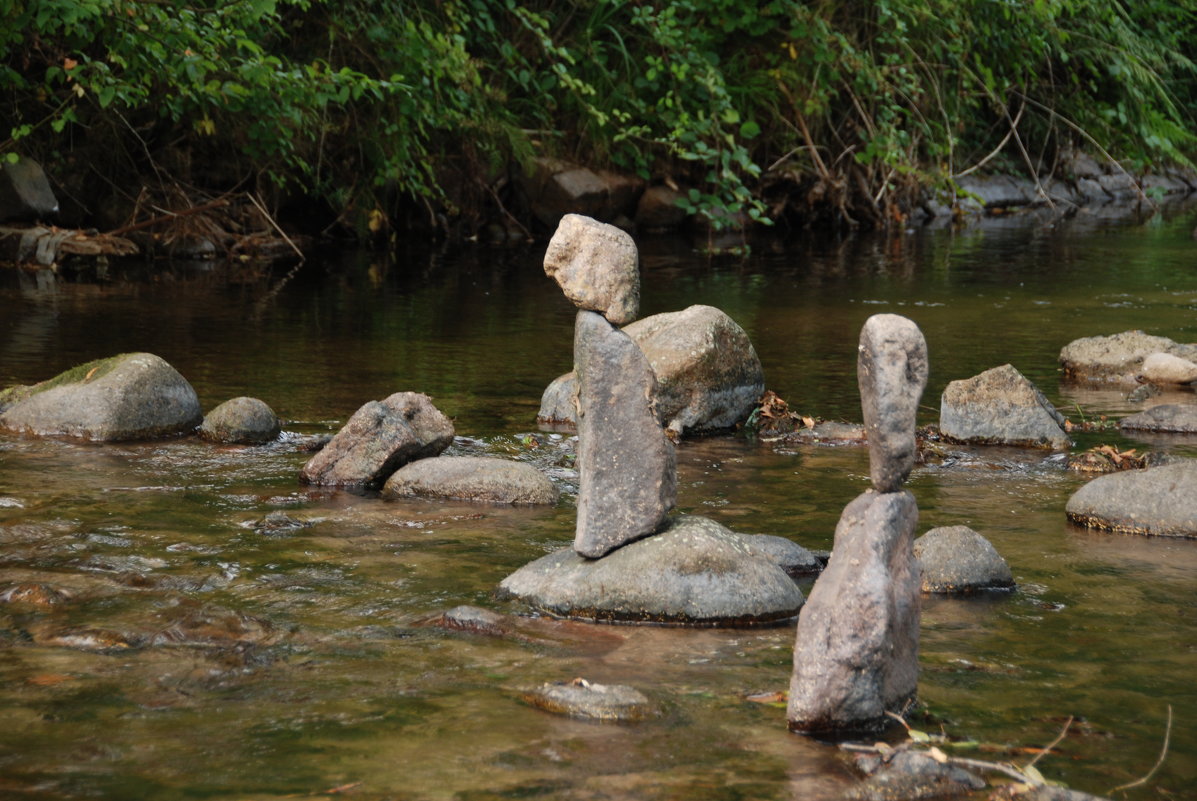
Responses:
[856,654]
[695,573]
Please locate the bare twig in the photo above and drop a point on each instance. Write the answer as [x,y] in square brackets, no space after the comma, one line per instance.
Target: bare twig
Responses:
[1158,762]
[1052,745]
[253,199]
[170,216]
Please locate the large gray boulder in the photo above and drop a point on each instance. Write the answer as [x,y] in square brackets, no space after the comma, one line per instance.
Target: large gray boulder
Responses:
[627,468]
[471,478]
[1001,407]
[1159,501]
[856,653]
[708,374]
[1167,418]
[243,421]
[125,397]
[597,267]
[1117,358]
[891,370]
[379,438]
[956,559]
[695,572]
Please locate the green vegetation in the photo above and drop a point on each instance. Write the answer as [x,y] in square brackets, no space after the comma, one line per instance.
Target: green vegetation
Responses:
[799,108]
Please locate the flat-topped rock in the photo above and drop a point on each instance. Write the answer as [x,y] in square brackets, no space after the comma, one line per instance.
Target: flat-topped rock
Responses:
[1166,418]
[1117,358]
[1001,407]
[615,703]
[694,573]
[891,370]
[627,469]
[244,421]
[1159,501]
[471,478]
[709,376]
[856,652]
[597,267]
[126,397]
[958,560]
[378,439]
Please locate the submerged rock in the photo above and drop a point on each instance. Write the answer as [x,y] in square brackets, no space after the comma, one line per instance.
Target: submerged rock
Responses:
[278,524]
[956,559]
[579,698]
[1173,418]
[856,652]
[126,397]
[695,572]
[471,478]
[379,438]
[892,372]
[626,465]
[908,775]
[1001,407]
[472,620]
[1158,501]
[708,374]
[597,267]
[1117,358]
[242,421]
[35,595]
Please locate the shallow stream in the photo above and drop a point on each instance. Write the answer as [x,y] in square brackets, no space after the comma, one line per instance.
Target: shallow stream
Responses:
[195,653]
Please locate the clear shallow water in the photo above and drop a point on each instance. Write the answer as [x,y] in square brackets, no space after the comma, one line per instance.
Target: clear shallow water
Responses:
[250,665]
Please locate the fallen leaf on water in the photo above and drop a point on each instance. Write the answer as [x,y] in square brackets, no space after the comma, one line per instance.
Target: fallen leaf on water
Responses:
[47,679]
[767,698]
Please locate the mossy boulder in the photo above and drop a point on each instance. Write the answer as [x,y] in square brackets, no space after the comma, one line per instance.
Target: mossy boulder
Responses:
[126,397]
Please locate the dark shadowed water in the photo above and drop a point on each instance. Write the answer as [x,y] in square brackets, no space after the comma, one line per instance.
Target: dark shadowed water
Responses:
[201,657]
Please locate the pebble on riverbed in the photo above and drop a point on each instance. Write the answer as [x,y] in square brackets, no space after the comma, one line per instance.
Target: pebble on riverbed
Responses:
[614,703]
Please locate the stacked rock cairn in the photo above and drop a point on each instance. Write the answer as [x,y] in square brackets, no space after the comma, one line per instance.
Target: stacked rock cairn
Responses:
[627,465]
[856,654]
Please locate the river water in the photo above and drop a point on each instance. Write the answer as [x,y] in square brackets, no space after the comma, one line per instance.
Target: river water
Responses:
[200,655]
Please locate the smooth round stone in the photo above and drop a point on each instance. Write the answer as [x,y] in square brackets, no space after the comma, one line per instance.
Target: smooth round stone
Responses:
[472,478]
[786,554]
[695,573]
[956,559]
[1158,501]
[582,699]
[243,421]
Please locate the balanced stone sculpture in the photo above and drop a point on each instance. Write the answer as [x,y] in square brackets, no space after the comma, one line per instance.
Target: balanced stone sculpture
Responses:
[856,653]
[630,561]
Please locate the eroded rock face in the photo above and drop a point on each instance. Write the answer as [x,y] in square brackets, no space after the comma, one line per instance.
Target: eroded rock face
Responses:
[696,572]
[956,559]
[892,374]
[378,439]
[1117,358]
[708,374]
[856,654]
[597,267]
[126,397]
[1001,407]
[627,469]
[246,421]
[1158,501]
[1167,418]
[471,478]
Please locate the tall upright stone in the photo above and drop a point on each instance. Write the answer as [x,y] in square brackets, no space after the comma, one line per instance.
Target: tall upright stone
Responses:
[891,370]
[627,468]
[856,652]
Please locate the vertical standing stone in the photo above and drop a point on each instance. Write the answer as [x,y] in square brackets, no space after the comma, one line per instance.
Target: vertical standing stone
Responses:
[856,653]
[892,373]
[626,465]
